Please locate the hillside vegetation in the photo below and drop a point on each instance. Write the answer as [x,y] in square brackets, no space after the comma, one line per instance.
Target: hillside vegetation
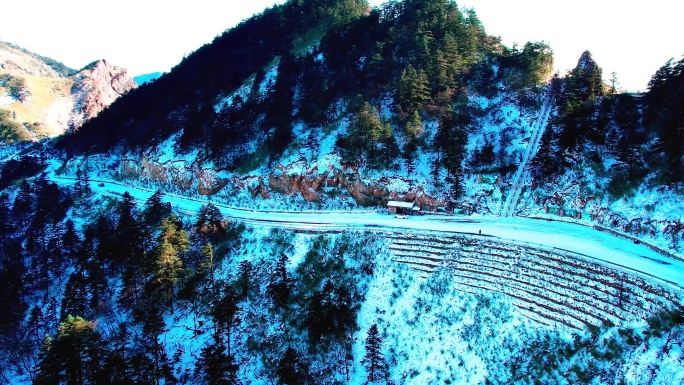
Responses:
[421,59]
[622,150]
[329,103]
[107,291]
[413,99]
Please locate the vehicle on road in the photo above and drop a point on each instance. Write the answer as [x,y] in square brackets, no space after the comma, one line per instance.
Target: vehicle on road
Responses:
[100,184]
[401,216]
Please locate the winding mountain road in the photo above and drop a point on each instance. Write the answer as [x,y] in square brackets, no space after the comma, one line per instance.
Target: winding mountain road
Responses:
[582,241]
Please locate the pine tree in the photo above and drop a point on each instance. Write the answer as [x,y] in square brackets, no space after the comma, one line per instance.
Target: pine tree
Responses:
[278,289]
[280,111]
[216,365]
[244,278]
[374,361]
[209,224]
[290,369]
[73,356]
[150,363]
[414,126]
[155,209]
[413,91]
[6,227]
[70,240]
[116,368]
[12,292]
[129,235]
[665,116]
[224,312]
[168,266]
[23,207]
[75,298]
[206,264]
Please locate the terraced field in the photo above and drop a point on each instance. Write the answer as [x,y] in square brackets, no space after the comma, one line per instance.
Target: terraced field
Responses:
[551,287]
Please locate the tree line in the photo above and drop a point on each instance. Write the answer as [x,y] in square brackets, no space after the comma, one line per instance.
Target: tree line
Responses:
[643,132]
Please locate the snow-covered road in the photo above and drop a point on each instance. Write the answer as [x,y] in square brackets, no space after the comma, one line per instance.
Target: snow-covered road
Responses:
[585,241]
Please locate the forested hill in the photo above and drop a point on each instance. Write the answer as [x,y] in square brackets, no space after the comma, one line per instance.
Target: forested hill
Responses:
[184,96]
[334,59]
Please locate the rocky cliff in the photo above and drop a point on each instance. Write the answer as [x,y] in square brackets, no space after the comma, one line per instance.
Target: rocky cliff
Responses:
[48,98]
[95,87]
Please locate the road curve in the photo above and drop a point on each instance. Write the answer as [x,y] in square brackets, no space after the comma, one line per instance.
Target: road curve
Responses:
[582,240]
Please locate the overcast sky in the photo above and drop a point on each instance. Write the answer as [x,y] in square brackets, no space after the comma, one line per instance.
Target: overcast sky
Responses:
[633,38]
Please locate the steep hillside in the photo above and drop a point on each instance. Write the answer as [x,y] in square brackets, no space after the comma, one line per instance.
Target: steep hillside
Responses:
[392,98]
[327,104]
[108,290]
[412,100]
[613,158]
[40,97]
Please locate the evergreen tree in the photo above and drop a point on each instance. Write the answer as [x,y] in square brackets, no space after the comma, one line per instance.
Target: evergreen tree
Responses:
[414,126]
[209,224]
[281,108]
[129,235]
[22,208]
[168,265]
[155,209]
[413,91]
[224,312]
[278,288]
[116,368]
[216,365]
[149,363]
[70,240]
[450,141]
[75,298]
[97,283]
[665,116]
[12,292]
[244,278]
[73,356]
[6,227]
[290,369]
[206,265]
[374,361]
[330,312]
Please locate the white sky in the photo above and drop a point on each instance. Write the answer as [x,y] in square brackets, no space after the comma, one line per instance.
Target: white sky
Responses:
[631,37]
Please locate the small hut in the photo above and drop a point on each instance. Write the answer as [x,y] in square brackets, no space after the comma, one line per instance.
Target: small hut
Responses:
[397,207]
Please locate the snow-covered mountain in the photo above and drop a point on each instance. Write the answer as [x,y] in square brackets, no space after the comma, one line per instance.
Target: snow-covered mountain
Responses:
[335,109]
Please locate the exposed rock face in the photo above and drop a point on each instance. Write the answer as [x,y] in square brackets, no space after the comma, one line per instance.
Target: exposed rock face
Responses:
[314,183]
[64,102]
[97,86]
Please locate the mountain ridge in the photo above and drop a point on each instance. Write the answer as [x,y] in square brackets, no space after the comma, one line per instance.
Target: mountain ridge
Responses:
[43,101]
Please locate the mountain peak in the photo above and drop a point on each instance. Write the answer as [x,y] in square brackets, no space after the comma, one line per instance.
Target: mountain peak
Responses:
[48,98]
[99,84]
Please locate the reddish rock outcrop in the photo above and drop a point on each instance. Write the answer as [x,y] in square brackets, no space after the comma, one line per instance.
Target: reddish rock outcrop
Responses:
[96,86]
[299,178]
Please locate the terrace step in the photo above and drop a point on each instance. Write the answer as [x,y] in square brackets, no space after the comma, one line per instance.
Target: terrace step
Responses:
[549,287]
